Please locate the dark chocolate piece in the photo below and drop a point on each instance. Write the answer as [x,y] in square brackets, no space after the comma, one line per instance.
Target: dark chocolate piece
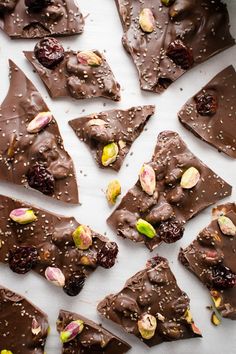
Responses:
[50,18]
[90,338]
[211,113]
[81,74]
[121,127]
[211,257]
[56,247]
[23,327]
[152,306]
[166,41]
[31,150]
[174,187]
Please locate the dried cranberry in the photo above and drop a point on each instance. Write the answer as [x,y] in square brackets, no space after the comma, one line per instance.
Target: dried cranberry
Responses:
[74,284]
[171,231]
[223,277]
[154,261]
[36,5]
[22,259]
[106,256]
[180,54]
[49,52]
[206,104]
[41,179]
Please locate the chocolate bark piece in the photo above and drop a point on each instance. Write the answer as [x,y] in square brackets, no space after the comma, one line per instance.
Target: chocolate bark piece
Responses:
[211,257]
[30,156]
[91,338]
[170,202]
[121,127]
[152,294]
[56,247]
[23,326]
[56,18]
[166,41]
[211,113]
[81,74]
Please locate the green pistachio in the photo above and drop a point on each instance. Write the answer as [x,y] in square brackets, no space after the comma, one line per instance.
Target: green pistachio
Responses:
[147,20]
[82,237]
[190,178]
[71,331]
[145,228]
[113,191]
[227,226]
[23,216]
[109,154]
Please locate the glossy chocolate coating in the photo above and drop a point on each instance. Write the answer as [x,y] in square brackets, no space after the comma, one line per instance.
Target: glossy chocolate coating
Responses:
[93,339]
[16,318]
[170,159]
[218,130]
[121,127]
[20,150]
[51,235]
[60,18]
[202,25]
[80,81]
[213,247]
[154,291]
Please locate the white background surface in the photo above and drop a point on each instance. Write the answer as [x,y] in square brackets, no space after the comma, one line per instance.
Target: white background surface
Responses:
[103,31]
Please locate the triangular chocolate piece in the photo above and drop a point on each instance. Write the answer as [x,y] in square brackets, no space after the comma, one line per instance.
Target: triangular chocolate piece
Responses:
[81,335]
[172,188]
[23,327]
[31,147]
[211,257]
[79,74]
[40,18]
[211,113]
[117,127]
[151,306]
[56,247]
[166,38]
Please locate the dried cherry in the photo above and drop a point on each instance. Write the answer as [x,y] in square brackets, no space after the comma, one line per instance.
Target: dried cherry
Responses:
[49,52]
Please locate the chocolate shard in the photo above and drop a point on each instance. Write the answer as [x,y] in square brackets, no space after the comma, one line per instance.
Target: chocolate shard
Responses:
[166,41]
[40,18]
[58,248]
[80,74]
[172,188]
[151,306]
[119,127]
[211,257]
[31,147]
[23,327]
[87,337]
[211,113]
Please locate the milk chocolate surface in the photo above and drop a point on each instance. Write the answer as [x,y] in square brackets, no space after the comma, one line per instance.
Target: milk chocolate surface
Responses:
[48,242]
[36,160]
[153,291]
[211,113]
[56,18]
[169,203]
[170,40]
[212,258]
[77,79]
[93,339]
[23,327]
[119,126]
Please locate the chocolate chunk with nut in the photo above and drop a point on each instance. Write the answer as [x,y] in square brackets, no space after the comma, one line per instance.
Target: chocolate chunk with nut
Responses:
[211,257]
[32,153]
[77,74]
[172,188]
[211,113]
[39,18]
[110,134]
[56,247]
[23,327]
[81,335]
[166,38]
[151,306]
